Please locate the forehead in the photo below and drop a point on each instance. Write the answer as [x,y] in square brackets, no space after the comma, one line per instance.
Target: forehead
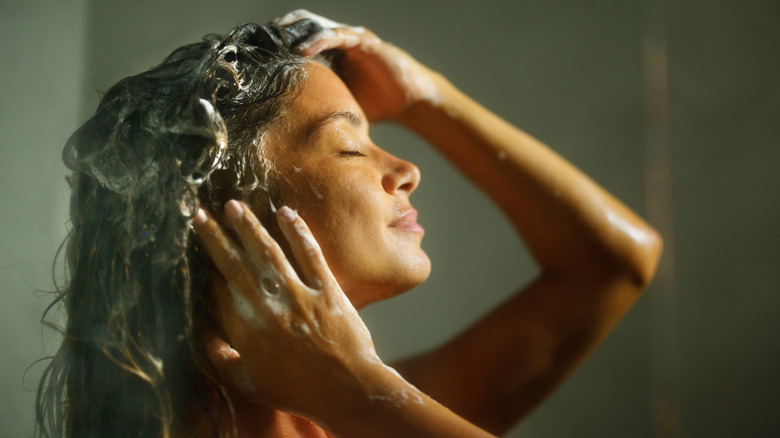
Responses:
[322,93]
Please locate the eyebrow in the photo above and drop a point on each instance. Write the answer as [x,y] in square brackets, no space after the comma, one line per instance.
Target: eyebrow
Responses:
[352,118]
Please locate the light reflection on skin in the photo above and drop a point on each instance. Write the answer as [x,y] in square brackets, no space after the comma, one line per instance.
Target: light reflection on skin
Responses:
[619,222]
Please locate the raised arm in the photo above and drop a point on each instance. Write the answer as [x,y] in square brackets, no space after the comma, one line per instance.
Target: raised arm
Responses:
[595,255]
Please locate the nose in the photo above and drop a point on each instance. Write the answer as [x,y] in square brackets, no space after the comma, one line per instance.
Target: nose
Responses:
[401,176]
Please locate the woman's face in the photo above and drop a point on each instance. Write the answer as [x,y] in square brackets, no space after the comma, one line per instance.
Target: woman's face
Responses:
[353,195]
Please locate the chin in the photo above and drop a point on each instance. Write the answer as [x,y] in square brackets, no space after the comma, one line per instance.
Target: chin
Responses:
[410,277]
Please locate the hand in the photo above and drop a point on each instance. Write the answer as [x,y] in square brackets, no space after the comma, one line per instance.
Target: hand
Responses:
[290,343]
[384,79]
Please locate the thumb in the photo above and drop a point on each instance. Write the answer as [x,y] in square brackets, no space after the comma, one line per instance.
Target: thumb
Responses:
[227,362]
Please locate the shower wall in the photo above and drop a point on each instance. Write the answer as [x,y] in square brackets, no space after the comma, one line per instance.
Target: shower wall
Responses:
[698,356]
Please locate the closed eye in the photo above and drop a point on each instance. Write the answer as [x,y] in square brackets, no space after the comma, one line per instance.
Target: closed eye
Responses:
[351,154]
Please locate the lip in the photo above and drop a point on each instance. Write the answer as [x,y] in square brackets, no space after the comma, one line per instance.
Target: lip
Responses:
[407,220]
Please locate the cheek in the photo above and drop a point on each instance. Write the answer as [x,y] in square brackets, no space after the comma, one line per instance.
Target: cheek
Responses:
[343,207]
[348,221]
[352,215]
[337,195]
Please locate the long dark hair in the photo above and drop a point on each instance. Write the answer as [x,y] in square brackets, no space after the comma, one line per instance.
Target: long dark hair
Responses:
[185,133]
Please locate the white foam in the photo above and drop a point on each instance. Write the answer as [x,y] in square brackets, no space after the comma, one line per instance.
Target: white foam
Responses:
[418,85]
[326,33]
[244,308]
[309,242]
[299,14]
[277,305]
[221,135]
[315,191]
[328,27]
[399,398]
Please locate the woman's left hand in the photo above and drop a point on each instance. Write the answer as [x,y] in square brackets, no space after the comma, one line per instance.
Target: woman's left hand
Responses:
[384,79]
[291,342]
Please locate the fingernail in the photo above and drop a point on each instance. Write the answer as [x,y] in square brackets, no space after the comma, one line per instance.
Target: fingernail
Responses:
[233,209]
[287,214]
[200,218]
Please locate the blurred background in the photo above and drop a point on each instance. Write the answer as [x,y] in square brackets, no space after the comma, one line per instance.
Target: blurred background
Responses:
[671,105]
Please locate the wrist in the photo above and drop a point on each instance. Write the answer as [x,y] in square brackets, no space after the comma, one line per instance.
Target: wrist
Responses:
[363,405]
[427,117]
[429,93]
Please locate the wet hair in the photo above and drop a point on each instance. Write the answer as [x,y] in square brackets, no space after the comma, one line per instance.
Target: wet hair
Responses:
[186,133]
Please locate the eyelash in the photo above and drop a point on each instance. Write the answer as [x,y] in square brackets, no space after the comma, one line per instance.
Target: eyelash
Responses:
[351,154]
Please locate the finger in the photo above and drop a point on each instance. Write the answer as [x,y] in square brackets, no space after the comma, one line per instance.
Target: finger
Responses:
[262,248]
[231,310]
[218,349]
[219,352]
[306,250]
[216,293]
[225,254]
[227,363]
[343,38]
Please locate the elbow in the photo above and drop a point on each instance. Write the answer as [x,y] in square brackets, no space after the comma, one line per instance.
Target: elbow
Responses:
[643,255]
[626,255]
[631,259]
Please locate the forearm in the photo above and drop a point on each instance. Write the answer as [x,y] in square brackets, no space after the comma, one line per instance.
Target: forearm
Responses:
[390,407]
[564,217]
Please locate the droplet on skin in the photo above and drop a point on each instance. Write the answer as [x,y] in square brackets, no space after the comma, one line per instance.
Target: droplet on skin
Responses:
[315,191]
[270,286]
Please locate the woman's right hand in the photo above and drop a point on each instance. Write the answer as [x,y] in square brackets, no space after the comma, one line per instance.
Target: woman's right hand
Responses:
[384,79]
[289,343]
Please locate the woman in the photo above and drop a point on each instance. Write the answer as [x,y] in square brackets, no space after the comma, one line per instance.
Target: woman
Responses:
[267,341]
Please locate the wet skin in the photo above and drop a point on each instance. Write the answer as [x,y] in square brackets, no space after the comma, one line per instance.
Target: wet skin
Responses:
[595,257]
[353,195]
